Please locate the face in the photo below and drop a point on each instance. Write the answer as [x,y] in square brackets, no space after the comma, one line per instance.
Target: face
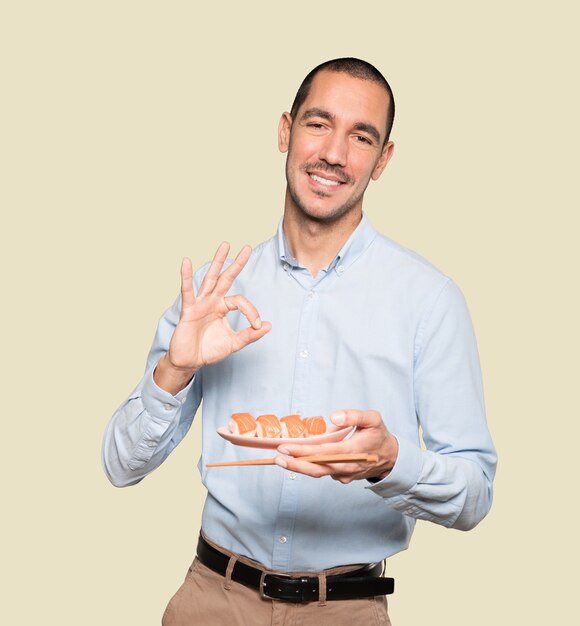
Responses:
[335,146]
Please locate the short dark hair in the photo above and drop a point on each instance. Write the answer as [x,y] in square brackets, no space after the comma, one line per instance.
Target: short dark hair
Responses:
[357,68]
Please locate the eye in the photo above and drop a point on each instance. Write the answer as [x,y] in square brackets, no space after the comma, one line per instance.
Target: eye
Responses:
[315,125]
[363,139]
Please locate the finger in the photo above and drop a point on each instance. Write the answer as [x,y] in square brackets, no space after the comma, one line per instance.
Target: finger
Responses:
[343,472]
[352,417]
[345,480]
[304,449]
[249,335]
[227,277]
[241,303]
[316,470]
[212,275]
[187,295]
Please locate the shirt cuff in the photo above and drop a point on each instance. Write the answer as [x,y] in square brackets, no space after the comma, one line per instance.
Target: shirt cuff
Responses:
[160,403]
[405,472]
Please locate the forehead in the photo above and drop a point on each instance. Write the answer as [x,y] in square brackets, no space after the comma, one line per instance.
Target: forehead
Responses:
[349,99]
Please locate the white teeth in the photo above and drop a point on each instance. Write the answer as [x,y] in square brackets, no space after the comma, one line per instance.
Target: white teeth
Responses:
[325,181]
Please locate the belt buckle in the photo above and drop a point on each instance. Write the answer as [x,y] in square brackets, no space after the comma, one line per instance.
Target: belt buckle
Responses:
[265,596]
[261,586]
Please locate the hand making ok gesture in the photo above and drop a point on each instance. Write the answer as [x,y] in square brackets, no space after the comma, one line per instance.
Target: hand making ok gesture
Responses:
[203,335]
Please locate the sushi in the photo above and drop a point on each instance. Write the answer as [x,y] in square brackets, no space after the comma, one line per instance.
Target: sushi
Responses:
[268,426]
[292,426]
[314,426]
[243,424]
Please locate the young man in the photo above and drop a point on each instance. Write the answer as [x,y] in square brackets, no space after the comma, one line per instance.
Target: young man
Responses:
[359,329]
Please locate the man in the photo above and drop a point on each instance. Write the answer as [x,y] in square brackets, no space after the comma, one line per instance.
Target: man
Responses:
[361,330]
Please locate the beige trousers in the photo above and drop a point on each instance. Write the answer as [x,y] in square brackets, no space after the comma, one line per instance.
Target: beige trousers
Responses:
[208,599]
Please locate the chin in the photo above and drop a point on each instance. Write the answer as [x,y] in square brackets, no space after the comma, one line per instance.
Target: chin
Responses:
[326,215]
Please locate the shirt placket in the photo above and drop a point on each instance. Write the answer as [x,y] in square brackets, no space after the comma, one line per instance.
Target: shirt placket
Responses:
[284,530]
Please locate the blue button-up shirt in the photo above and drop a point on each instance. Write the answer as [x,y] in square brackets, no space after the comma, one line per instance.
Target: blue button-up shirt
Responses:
[379,328]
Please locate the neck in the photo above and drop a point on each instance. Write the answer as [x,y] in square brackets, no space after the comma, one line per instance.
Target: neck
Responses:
[315,243]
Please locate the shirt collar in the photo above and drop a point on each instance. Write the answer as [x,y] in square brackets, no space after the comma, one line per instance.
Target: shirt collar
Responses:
[355,245]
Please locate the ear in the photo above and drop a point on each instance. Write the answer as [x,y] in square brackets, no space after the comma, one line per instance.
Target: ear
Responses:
[284,128]
[385,157]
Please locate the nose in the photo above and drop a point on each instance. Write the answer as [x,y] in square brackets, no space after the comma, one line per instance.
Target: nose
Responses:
[334,149]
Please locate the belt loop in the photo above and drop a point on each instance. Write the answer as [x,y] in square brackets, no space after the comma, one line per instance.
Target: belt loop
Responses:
[322,589]
[229,570]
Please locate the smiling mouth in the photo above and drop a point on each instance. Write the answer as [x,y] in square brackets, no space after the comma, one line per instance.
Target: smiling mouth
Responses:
[325,181]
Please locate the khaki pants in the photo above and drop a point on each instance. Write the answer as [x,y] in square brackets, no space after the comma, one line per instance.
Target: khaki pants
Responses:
[208,599]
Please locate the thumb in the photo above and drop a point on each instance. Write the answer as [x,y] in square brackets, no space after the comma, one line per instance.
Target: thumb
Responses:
[352,417]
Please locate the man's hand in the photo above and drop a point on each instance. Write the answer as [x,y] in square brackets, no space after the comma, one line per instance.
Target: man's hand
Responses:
[371,437]
[203,335]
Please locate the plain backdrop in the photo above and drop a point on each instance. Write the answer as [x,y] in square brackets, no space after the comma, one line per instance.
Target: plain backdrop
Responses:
[136,132]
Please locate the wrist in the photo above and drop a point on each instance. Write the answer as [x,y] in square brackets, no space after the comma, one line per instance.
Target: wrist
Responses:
[389,458]
[170,378]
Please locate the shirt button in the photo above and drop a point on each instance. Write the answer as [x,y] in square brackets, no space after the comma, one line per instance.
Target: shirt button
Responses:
[304,354]
[286,266]
[168,407]
[340,269]
[282,539]
[151,444]
[292,476]
[311,294]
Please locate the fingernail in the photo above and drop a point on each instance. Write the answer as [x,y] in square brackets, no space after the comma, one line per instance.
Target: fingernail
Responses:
[283,450]
[281,462]
[338,418]
[257,323]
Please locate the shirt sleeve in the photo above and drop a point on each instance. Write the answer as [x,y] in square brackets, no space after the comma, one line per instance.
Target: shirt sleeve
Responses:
[151,422]
[449,482]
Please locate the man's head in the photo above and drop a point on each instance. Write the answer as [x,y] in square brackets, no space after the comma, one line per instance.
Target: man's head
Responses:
[337,139]
[357,68]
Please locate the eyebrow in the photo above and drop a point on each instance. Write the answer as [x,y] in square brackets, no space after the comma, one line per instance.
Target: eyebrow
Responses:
[370,129]
[326,115]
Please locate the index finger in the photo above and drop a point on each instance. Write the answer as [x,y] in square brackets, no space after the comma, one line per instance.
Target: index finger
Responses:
[210,279]
[187,295]
[227,277]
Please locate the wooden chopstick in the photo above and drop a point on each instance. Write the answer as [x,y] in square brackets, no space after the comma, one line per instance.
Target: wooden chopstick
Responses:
[317,458]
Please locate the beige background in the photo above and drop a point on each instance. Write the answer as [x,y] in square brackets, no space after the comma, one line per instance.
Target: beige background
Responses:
[133,133]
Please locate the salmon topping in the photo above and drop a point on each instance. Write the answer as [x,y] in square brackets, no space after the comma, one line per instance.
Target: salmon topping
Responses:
[292,426]
[243,424]
[314,425]
[268,426]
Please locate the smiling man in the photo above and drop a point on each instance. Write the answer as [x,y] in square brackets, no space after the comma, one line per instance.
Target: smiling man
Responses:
[359,329]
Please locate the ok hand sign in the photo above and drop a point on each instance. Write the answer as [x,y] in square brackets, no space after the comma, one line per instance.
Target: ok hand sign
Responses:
[203,335]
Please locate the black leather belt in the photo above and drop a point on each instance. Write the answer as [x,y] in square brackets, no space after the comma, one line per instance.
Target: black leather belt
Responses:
[364,582]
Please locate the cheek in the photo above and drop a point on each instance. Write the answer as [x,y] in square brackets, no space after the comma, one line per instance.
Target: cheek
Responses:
[303,149]
[363,168]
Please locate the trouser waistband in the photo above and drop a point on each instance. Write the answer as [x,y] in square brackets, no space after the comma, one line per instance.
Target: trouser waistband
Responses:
[363,582]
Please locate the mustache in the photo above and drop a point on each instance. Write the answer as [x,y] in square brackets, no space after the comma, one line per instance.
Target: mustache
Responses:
[335,170]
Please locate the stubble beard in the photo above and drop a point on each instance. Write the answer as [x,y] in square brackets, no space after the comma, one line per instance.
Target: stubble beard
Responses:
[333,215]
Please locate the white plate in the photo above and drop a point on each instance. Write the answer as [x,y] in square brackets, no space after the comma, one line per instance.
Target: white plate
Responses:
[273,442]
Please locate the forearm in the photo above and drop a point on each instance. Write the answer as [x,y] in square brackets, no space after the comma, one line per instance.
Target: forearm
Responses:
[449,483]
[151,421]
[453,490]
[144,430]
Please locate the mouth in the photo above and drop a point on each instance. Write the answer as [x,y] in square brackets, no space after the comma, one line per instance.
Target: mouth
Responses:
[327,182]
